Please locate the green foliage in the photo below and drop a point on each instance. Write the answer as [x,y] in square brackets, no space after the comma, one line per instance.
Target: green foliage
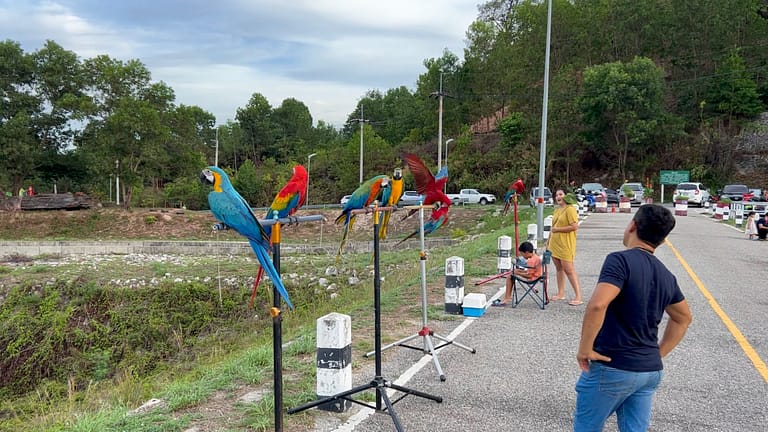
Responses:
[513,129]
[150,219]
[734,90]
[187,192]
[82,333]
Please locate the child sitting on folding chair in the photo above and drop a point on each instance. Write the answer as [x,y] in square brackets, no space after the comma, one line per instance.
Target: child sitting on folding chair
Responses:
[530,270]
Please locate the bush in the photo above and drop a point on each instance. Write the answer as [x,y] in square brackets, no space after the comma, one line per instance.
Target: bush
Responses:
[187,192]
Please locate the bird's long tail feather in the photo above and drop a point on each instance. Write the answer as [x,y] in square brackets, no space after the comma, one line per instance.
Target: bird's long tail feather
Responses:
[344,236]
[383,227]
[256,286]
[269,267]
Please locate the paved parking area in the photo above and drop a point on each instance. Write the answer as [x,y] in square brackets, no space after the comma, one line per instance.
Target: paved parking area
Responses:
[524,371]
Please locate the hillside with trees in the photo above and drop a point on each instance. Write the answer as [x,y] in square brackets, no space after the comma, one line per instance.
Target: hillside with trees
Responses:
[635,87]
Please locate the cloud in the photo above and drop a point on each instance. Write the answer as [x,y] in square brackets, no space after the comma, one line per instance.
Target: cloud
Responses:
[325,53]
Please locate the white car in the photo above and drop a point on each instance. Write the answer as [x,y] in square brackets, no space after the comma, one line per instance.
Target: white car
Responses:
[410,198]
[637,191]
[697,193]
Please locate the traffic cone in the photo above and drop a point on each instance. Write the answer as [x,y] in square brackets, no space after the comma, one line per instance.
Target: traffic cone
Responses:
[613,208]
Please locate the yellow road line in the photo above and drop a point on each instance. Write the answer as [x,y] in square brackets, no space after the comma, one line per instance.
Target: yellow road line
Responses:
[745,345]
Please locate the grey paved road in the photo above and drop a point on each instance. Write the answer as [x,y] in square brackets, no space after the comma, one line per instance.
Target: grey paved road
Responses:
[522,376]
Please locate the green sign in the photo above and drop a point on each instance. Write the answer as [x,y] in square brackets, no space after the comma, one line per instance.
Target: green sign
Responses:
[674,177]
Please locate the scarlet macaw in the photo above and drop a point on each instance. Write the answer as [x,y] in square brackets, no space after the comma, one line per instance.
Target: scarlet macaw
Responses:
[231,209]
[390,197]
[362,197]
[515,188]
[426,184]
[292,196]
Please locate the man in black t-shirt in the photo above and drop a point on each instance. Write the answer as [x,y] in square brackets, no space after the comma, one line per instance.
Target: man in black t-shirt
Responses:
[619,352]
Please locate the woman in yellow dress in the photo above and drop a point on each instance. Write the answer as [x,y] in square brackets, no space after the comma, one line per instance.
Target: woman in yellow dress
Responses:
[562,244]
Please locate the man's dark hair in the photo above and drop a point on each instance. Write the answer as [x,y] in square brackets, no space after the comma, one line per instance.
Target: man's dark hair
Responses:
[654,223]
[525,247]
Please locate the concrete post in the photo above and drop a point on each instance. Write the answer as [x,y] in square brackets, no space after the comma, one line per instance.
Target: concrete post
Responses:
[504,254]
[532,233]
[547,227]
[454,285]
[334,359]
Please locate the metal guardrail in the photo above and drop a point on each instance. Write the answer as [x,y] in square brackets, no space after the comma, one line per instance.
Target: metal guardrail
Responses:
[759,207]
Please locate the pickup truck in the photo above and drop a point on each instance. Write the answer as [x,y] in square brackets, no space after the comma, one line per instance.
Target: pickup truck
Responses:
[472,196]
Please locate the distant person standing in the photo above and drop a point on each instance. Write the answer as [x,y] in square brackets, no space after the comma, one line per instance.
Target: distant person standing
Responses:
[762,227]
[30,191]
[751,229]
[619,351]
[22,192]
[562,244]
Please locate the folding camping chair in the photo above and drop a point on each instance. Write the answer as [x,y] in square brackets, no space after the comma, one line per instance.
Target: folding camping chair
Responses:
[535,289]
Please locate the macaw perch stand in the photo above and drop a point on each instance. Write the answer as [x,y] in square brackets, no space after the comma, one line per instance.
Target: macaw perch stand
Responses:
[426,334]
[276,313]
[379,383]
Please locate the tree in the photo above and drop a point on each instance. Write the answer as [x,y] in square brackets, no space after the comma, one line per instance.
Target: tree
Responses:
[258,129]
[623,103]
[734,91]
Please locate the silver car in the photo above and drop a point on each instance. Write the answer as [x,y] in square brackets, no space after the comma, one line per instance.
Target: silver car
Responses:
[696,193]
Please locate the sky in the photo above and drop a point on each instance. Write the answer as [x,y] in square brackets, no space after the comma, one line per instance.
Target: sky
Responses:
[216,54]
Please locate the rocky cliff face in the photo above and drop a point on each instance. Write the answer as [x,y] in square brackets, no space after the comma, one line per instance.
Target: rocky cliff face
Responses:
[751,151]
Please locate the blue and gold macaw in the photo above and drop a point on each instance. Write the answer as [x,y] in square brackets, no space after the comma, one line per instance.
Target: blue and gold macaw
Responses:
[231,209]
[361,198]
[389,198]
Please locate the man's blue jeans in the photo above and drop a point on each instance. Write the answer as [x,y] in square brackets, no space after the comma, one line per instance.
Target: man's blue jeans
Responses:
[604,390]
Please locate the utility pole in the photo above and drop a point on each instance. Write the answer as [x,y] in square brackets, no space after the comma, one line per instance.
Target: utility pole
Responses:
[117,182]
[216,158]
[439,95]
[361,120]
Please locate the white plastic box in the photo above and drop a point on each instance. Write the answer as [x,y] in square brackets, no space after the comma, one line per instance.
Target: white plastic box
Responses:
[474,305]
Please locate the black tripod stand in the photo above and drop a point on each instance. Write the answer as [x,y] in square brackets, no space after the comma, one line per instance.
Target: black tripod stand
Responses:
[379,383]
[427,334]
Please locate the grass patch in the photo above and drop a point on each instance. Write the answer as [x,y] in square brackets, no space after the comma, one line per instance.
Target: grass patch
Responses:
[180,343]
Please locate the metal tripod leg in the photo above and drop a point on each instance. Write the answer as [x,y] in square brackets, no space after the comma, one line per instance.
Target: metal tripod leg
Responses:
[452,342]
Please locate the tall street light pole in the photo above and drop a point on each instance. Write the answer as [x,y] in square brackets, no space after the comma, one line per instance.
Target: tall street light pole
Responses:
[448,141]
[543,149]
[309,159]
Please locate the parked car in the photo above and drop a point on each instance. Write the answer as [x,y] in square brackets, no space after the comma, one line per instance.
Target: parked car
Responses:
[637,191]
[593,189]
[611,196]
[345,199]
[410,198]
[696,193]
[548,198]
[472,196]
[735,192]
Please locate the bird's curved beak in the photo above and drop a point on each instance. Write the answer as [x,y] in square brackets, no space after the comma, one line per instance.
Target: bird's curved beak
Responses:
[206,177]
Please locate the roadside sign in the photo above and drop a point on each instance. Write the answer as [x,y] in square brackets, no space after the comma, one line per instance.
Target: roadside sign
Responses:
[674,177]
